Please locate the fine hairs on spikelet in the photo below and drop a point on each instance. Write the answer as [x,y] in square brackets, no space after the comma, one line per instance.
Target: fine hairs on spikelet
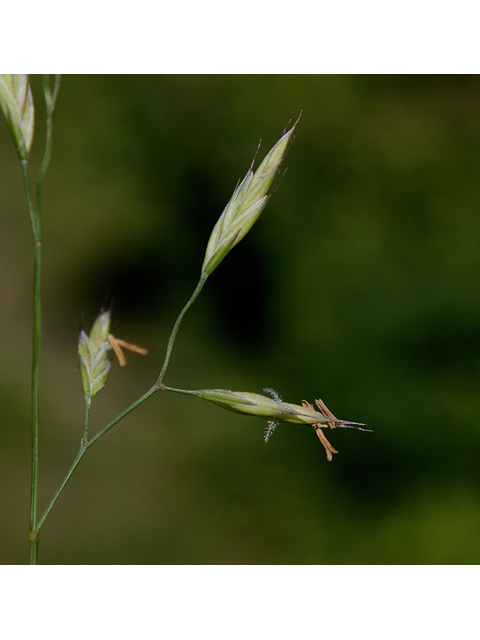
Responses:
[269,429]
[271,424]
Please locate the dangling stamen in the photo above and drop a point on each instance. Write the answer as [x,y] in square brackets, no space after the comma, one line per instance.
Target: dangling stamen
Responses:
[117,345]
[318,427]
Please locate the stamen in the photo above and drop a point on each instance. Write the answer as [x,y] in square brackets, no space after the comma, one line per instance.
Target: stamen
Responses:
[122,361]
[132,347]
[318,427]
[117,345]
[328,447]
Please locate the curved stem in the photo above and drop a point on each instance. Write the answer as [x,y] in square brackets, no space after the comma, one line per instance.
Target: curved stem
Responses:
[171,340]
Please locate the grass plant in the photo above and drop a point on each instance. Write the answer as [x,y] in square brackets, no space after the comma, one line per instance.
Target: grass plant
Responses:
[95,349]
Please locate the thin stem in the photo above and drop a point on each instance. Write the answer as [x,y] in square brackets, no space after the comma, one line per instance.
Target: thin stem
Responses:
[187,392]
[32,210]
[33,538]
[50,103]
[35,381]
[37,263]
[171,340]
[81,451]
[87,403]
[36,220]
[133,406]
[86,444]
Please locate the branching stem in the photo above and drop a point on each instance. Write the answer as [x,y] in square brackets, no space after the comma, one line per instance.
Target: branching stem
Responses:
[34,209]
[86,443]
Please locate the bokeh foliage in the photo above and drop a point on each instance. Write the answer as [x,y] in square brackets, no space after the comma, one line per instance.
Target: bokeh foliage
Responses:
[359,284]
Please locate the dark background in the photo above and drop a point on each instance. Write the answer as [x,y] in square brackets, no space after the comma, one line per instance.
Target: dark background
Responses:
[358,284]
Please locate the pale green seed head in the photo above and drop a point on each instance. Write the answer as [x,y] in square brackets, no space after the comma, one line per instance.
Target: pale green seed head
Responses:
[16,102]
[93,355]
[245,206]
[255,404]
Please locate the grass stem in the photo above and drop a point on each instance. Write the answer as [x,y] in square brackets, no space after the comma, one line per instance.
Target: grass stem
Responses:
[171,340]
[34,211]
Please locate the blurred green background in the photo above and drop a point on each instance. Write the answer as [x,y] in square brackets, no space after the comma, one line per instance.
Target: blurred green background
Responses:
[359,284]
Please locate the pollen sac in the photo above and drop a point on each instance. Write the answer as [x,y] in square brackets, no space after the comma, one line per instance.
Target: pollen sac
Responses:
[93,355]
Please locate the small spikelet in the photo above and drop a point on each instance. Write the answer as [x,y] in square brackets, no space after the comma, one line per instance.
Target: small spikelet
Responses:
[248,200]
[269,429]
[93,354]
